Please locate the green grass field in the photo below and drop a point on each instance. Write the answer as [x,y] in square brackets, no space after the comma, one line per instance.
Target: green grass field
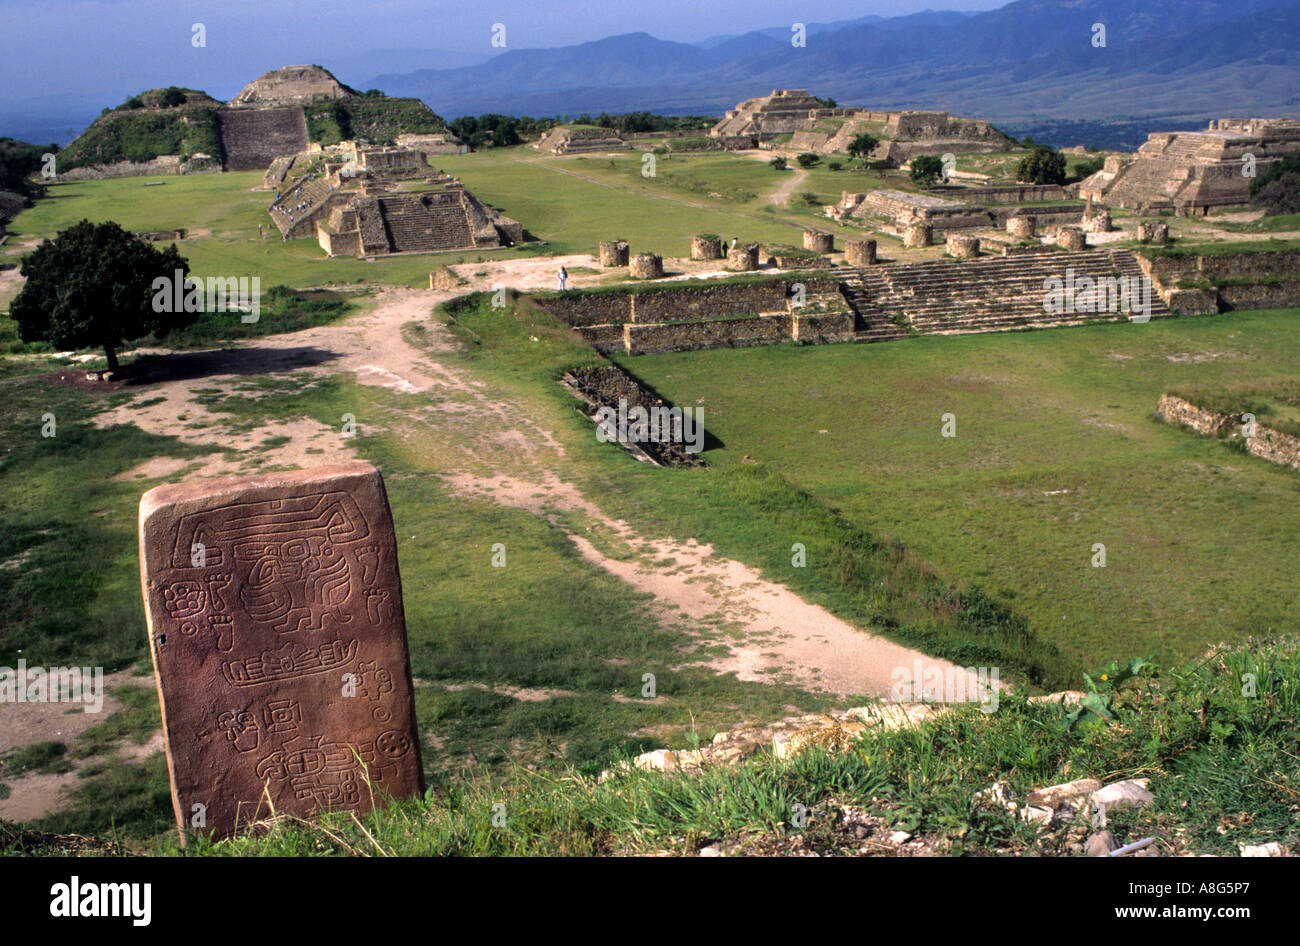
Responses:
[1056,450]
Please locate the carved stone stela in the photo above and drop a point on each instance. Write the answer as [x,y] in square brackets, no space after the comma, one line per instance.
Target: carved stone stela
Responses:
[274,609]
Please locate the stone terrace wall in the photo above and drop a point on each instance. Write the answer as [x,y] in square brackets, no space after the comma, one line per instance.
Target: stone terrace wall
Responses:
[719,302]
[676,305]
[714,333]
[1169,271]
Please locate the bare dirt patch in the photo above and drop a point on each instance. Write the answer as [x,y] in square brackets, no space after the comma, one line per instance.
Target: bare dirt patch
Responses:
[34,795]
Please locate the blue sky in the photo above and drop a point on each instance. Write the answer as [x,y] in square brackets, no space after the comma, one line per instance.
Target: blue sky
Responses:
[110,48]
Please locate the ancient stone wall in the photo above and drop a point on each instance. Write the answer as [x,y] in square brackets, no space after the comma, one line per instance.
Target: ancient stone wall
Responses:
[1267,444]
[823,328]
[715,302]
[714,333]
[669,305]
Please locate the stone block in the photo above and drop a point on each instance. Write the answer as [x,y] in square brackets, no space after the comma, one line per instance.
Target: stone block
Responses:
[274,612]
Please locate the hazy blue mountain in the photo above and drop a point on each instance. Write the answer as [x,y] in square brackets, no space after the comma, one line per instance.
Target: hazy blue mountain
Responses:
[1031,61]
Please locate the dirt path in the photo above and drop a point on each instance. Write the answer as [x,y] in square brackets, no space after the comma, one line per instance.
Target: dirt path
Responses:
[782,193]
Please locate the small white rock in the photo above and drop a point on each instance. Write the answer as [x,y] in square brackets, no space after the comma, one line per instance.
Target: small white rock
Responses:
[1131,793]
[899,837]
[1271,849]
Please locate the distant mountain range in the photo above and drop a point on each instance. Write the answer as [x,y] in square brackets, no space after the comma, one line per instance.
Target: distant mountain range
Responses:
[1030,67]
[1030,64]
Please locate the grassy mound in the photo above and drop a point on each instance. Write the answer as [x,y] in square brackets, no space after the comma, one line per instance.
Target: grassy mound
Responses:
[144,135]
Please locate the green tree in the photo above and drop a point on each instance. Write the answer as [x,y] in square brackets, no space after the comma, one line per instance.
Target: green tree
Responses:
[926,169]
[808,159]
[1278,190]
[171,96]
[93,286]
[779,162]
[1042,166]
[862,145]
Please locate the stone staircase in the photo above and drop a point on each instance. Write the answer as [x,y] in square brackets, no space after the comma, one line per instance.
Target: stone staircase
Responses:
[251,138]
[860,289]
[948,297]
[315,194]
[426,223]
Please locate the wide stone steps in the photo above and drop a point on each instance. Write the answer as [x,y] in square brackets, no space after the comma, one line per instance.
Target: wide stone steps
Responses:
[414,227]
[986,295]
[251,138]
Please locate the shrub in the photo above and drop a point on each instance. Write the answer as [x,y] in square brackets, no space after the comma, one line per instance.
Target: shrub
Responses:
[779,163]
[808,159]
[834,165]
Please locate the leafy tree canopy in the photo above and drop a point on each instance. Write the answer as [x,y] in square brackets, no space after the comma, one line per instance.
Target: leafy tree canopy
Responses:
[926,169]
[92,285]
[1042,166]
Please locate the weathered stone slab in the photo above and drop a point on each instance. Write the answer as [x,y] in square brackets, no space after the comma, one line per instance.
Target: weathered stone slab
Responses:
[274,609]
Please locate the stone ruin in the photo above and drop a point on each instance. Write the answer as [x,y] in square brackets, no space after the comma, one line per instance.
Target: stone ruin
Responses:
[266,120]
[646,266]
[369,202]
[565,139]
[438,221]
[866,303]
[897,210]
[276,628]
[860,252]
[814,127]
[742,259]
[705,247]
[963,247]
[614,253]
[1190,172]
[292,85]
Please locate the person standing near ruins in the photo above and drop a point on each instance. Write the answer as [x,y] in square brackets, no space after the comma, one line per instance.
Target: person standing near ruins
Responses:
[563,276]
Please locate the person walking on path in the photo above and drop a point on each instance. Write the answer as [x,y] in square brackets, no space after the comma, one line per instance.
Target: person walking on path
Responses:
[563,276]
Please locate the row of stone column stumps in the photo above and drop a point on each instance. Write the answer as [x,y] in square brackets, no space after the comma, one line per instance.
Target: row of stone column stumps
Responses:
[741,258]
